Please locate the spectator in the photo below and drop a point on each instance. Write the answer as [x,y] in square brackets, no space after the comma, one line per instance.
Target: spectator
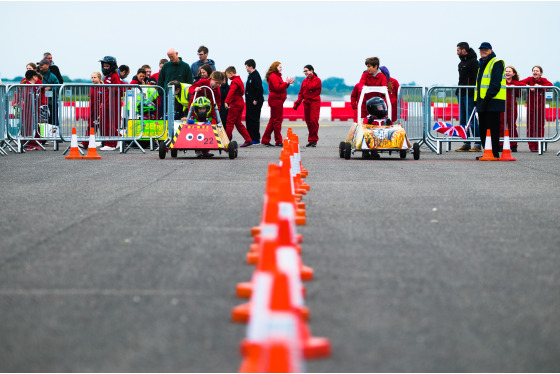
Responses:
[536,106]
[277,95]
[490,95]
[234,102]
[372,77]
[49,78]
[54,69]
[123,71]
[509,117]
[32,66]
[182,99]
[202,60]
[224,90]
[111,106]
[95,101]
[204,72]
[254,100]
[162,62]
[30,101]
[393,87]
[468,68]
[174,70]
[140,77]
[310,95]
[355,100]
[149,79]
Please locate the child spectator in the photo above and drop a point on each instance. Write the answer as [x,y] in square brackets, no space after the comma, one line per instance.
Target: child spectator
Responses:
[139,78]
[30,101]
[204,72]
[536,106]
[123,71]
[95,102]
[234,102]
[509,117]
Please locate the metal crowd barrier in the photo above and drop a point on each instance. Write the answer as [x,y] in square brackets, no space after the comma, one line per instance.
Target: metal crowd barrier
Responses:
[531,115]
[410,111]
[108,109]
[3,132]
[31,115]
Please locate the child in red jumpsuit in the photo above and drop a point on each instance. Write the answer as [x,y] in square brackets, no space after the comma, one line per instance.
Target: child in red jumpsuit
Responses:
[310,94]
[234,102]
[372,77]
[535,106]
[217,78]
[111,106]
[277,95]
[96,95]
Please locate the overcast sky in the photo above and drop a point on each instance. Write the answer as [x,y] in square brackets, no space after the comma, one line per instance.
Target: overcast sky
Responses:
[415,40]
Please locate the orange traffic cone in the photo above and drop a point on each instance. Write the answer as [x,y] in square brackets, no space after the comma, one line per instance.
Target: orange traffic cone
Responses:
[92,151]
[275,355]
[506,154]
[488,155]
[270,198]
[285,239]
[294,137]
[74,153]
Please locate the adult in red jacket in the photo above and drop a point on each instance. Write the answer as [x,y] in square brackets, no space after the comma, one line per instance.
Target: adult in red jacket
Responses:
[111,106]
[277,95]
[310,94]
[393,87]
[234,102]
[509,117]
[372,77]
[535,106]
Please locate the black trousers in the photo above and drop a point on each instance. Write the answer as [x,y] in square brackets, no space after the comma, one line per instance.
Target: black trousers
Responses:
[491,121]
[253,120]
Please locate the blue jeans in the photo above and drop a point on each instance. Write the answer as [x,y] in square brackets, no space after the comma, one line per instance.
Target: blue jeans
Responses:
[466,106]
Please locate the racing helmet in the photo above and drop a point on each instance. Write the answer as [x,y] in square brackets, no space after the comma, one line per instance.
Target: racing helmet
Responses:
[376,107]
[112,65]
[201,108]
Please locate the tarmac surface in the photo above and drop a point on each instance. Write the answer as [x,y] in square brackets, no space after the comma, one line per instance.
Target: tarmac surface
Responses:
[130,264]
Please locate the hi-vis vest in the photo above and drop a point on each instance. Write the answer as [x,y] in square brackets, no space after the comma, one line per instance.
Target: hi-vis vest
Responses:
[183,96]
[485,82]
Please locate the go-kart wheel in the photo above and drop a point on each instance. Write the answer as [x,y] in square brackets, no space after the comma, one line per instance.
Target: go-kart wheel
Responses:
[173,153]
[162,150]
[347,150]
[416,151]
[341,147]
[236,149]
[365,155]
[403,154]
[232,149]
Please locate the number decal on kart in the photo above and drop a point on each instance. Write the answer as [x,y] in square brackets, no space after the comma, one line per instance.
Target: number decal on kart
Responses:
[208,140]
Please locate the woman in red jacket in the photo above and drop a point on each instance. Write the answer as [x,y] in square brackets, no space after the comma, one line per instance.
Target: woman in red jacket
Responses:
[535,106]
[310,94]
[509,117]
[277,95]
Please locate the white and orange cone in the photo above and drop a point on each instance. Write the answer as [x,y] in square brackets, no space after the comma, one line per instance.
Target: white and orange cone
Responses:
[74,153]
[92,151]
[506,153]
[488,155]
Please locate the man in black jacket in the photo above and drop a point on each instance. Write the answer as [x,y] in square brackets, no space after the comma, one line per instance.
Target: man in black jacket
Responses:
[253,101]
[53,68]
[468,68]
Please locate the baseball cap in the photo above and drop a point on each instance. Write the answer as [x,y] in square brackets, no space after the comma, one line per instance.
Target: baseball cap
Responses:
[485,45]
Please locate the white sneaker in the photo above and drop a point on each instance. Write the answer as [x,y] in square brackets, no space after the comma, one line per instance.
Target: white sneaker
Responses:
[107,148]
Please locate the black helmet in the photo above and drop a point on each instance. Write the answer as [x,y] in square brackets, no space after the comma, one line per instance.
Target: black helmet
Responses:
[112,65]
[376,107]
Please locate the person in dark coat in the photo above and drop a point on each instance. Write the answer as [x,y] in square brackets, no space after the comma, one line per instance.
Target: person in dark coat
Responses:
[468,68]
[490,106]
[254,99]
[53,68]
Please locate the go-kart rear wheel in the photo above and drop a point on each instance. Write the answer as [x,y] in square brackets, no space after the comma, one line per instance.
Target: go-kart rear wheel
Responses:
[173,153]
[403,153]
[416,151]
[232,150]
[366,155]
[347,150]
[341,147]
[162,150]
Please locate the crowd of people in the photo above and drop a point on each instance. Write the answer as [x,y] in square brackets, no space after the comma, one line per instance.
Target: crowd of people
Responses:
[231,96]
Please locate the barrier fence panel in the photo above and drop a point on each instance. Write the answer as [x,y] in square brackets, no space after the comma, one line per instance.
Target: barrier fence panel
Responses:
[32,115]
[531,116]
[108,109]
[410,111]
[153,102]
[3,132]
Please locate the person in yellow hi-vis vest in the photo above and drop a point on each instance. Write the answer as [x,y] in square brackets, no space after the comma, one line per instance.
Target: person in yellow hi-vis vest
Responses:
[490,95]
[181,99]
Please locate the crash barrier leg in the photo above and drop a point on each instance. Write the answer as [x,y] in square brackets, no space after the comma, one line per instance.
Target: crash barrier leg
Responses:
[107,108]
[532,116]
[3,135]
[30,115]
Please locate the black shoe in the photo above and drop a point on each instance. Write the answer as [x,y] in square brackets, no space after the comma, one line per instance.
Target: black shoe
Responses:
[311,145]
[267,144]
[279,144]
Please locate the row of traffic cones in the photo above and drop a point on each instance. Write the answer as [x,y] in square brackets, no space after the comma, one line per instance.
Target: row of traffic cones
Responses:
[488,155]
[278,337]
[75,154]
